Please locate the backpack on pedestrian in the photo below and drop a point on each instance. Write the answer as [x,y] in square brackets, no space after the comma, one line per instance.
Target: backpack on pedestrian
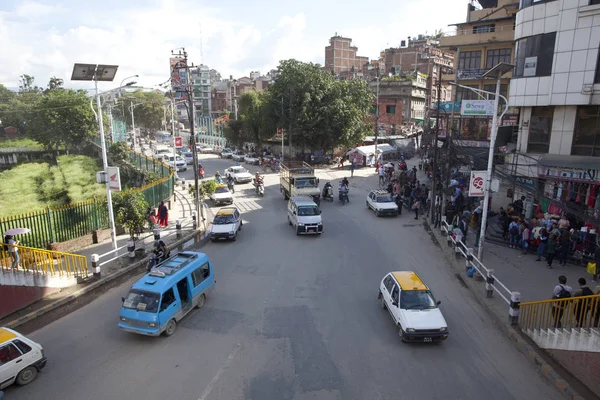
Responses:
[564,293]
[514,229]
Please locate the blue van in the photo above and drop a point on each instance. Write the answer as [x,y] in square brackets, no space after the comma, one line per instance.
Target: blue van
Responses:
[166,294]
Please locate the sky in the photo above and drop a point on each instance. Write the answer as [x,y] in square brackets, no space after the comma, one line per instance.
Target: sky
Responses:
[45,38]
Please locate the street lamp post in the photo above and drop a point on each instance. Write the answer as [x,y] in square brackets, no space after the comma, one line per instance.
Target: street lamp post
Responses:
[105,73]
[131,108]
[497,72]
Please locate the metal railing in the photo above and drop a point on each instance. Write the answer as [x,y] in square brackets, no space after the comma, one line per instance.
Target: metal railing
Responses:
[59,224]
[492,283]
[573,312]
[479,30]
[43,261]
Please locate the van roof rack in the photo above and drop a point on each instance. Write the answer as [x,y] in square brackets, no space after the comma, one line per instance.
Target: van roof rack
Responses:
[172,264]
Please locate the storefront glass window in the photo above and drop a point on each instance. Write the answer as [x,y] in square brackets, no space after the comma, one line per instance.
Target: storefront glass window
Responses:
[540,128]
[534,56]
[586,140]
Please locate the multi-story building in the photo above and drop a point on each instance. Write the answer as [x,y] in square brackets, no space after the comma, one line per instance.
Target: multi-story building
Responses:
[201,80]
[556,83]
[341,58]
[219,98]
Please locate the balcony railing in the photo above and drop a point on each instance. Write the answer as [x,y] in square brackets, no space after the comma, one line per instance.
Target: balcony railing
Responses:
[477,30]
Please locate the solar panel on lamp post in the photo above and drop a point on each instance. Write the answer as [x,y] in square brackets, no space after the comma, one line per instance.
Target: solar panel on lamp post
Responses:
[103,73]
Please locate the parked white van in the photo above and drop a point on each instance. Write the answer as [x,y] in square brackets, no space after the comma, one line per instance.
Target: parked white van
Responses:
[304,215]
[21,359]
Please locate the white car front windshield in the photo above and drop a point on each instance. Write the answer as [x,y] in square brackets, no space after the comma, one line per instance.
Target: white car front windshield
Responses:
[140,300]
[239,170]
[417,300]
[224,220]
[306,183]
[308,210]
[384,199]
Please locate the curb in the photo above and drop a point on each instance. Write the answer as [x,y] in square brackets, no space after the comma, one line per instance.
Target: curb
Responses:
[96,286]
[531,352]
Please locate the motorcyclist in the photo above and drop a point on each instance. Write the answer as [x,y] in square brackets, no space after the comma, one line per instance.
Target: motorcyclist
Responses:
[344,188]
[218,178]
[326,189]
[346,182]
[230,183]
[201,171]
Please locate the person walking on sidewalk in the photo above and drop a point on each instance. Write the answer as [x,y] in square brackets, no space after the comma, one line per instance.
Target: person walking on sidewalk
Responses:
[514,231]
[163,214]
[541,250]
[463,225]
[381,174]
[551,252]
[525,237]
[564,246]
[352,168]
[582,307]
[13,250]
[561,291]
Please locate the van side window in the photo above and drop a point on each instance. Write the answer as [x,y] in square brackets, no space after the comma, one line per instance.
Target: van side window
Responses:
[395,293]
[388,283]
[8,352]
[168,298]
[199,275]
[24,347]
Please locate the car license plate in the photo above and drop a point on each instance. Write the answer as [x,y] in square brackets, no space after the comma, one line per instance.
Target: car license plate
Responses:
[312,230]
[427,339]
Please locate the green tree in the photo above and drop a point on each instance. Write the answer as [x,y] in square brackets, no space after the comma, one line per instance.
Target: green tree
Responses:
[149,110]
[62,118]
[54,84]
[130,209]
[207,187]
[253,116]
[119,152]
[233,132]
[27,84]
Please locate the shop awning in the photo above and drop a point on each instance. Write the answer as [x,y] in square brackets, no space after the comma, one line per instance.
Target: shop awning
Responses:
[368,150]
[559,160]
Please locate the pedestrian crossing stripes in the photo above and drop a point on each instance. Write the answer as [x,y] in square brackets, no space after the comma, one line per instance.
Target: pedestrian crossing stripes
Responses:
[247,205]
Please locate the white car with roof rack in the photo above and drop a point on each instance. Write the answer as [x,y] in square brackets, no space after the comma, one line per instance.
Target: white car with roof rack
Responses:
[382,203]
[226,225]
[239,174]
[221,195]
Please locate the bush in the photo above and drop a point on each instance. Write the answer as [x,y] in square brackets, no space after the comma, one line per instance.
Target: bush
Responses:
[130,209]
[207,187]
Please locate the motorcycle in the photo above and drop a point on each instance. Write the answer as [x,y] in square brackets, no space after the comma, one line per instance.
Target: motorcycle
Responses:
[201,173]
[231,186]
[259,187]
[328,193]
[344,196]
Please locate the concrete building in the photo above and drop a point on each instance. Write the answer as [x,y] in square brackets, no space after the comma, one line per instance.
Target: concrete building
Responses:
[201,79]
[556,83]
[341,57]
[401,100]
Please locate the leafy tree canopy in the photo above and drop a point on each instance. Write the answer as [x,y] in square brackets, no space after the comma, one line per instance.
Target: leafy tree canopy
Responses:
[318,111]
[130,209]
[148,111]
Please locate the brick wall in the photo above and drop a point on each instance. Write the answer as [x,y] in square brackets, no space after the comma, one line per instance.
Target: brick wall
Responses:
[584,365]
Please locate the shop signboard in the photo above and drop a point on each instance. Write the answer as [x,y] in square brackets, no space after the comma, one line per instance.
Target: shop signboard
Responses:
[477,184]
[483,108]
[570,174]
[470,74]
[526,182]
[446,107]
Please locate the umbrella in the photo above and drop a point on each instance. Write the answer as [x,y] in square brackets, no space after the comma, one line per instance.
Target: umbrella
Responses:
[16,231]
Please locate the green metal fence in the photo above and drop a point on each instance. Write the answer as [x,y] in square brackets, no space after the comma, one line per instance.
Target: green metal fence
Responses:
[59,224]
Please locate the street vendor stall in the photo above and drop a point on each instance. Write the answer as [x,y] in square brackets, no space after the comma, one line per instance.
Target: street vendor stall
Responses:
[365,155]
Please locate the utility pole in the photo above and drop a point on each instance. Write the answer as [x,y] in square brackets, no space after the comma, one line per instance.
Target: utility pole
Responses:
[290,130]
[377,113]
[188,90]
[433,207]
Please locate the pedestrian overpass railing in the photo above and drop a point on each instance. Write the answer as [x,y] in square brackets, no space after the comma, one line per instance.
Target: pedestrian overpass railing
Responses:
[574,312]
[40,261]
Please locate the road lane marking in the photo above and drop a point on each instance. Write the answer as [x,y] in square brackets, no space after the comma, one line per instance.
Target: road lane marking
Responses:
[209,388]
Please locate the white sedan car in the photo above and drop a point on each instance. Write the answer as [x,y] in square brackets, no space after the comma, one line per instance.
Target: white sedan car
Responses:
[226,225]
[412,307]
[238,156]
[177,162]
[227,153]
[206,149]
[239,174]
[222,195]
[251,159]
[382,203]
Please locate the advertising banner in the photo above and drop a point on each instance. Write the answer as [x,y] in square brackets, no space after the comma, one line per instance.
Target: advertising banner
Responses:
[114,178]
[477,184]
[483,108]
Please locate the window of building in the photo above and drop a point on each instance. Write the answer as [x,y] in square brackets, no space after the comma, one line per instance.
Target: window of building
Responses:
[540,128]
[390,109]
[496,56]
[492,88]
[534,56]
[469,60]
[586,138]
[597,78]
[592,2]
[528,3]
[484,28]
[466,94]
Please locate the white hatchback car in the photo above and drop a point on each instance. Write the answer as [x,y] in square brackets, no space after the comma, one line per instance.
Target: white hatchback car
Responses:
[21,359]
[221,195]
[413,308]
[239,174]
[382,203]
[226,225]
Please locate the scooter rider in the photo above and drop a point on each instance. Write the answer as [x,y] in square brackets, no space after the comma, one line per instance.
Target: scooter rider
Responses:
[230,184]
[343,188]
[326,189]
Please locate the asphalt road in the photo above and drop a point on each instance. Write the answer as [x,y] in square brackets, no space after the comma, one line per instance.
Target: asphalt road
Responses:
[293,318]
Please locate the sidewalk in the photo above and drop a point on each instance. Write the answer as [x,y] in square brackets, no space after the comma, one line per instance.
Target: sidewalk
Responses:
[519,272]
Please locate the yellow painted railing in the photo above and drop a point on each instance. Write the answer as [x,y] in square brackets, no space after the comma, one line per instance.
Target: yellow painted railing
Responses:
[574,312]
[42,261]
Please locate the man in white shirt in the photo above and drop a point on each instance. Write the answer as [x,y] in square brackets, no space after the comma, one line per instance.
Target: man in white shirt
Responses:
[381,175]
